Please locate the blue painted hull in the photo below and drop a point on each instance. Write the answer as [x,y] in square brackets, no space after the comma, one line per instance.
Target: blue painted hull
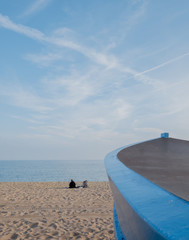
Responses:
[142,209]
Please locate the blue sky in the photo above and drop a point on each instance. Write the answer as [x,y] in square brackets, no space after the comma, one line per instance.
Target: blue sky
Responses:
[79,79]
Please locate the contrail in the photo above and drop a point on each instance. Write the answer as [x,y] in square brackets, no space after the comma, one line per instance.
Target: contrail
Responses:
[163,64]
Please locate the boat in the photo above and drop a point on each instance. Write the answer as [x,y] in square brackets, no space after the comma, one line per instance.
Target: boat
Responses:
[150,186]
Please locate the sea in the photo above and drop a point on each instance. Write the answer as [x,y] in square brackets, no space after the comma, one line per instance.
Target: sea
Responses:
[52,170]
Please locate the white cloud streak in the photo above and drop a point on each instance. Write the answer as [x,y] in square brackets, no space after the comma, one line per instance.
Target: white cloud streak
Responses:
[108,61]
[30,32]
[36,6]
[42,59]
[25,99]
[163,64]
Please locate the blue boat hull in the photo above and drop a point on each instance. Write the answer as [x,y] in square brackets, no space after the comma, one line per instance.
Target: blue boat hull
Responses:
[142,209]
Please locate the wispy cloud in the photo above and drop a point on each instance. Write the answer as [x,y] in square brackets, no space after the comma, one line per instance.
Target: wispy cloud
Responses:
[128,21]
[108,61]
[36,6]
[42,59]
[25,99]
[163,64]
[30,32]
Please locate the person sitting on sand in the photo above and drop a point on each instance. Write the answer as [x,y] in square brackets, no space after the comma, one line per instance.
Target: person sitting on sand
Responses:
[72,184]
[85,185]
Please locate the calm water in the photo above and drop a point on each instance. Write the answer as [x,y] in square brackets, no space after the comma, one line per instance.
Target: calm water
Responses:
[44,171]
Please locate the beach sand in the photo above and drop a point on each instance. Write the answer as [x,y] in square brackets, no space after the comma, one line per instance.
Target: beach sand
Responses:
[51,211]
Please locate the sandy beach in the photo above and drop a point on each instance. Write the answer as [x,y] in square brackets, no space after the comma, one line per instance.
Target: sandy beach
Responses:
[50,210]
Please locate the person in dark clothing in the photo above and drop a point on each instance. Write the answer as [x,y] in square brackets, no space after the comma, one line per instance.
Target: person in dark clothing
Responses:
[72,184]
